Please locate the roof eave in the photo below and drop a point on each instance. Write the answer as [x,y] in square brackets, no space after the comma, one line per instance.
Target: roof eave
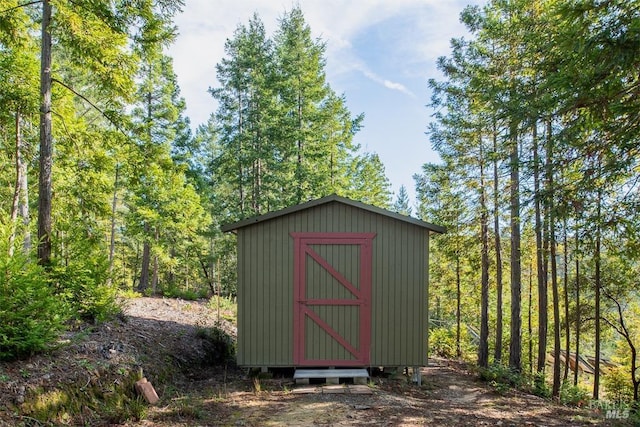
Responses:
[332,198]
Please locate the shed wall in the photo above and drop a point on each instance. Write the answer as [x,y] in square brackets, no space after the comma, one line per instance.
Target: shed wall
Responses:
[399,285]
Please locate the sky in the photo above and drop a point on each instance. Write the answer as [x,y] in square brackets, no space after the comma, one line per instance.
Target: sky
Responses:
[380,55]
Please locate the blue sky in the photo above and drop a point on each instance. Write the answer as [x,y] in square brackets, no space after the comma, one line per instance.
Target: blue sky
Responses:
[380,55]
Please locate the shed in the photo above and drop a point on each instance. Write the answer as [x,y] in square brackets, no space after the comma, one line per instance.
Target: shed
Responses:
[332,283]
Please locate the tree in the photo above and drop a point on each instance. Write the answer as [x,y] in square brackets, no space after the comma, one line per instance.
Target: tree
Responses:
[483,348]
[279,124]
[441,199]
[302,89]
[18,95]
[246,116]
[101,45]
[316,129]
[280,135]
[563,71]
[497,243]
[46,140]
[401,205]
[368,181]
[621,296]
[154,180]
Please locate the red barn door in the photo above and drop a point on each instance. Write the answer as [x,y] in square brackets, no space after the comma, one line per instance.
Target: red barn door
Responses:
[332,299]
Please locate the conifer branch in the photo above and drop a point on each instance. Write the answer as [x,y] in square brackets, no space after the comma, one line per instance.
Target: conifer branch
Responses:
[88,101]
[20,5]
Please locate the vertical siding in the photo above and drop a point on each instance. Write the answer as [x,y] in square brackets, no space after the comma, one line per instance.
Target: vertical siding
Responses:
[399,294]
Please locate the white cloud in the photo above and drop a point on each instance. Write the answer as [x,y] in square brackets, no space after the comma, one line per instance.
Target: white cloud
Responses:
[393,43]
[384,82]
[205,25]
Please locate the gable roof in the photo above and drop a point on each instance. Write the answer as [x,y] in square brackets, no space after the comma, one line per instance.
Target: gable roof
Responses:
[328,199]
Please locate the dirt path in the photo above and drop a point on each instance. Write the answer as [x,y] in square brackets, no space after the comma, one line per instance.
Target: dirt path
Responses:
[449,396]
[164,338]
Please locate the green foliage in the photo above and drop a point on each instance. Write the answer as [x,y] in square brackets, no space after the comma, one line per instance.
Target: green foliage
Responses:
[280,125]
[228,308]
[107,400]
[502,378]
[554,84]
[539,385]
[442,342]
[226,303]
[173,291]
[83,285]
[31,316]
[128,294]
[401,204]
[219,346]
[617,385]
[572,395]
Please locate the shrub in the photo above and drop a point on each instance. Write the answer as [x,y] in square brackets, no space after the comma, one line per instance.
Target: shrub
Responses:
[31,316]
[502,378]
[442,342]
[226,303]
[219,346]
[83,284]
[573,395]
[540,386]
[173,291]
[128,294]
[617,385]
[501,374]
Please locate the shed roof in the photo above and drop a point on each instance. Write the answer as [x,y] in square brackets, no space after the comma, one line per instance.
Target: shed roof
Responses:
[328,199]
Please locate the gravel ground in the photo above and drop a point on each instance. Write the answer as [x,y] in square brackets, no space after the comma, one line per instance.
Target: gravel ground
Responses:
[163,338]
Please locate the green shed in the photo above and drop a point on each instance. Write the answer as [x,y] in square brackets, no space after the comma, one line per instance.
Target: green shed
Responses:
[332,283]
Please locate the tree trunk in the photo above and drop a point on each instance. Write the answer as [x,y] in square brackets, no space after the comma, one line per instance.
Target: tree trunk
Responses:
[635,378]
[596,373]
[498,249]
[46,141]
[556,310]
[154,277]
[458,299]
[300,146]
[240,156]
[565,279]
[23,202]
[515,342]
[20,203]
[529,325]
[578,314]
[554,264]
[483,349]
[112,238]
[540,265]
[146,261]
[622,329]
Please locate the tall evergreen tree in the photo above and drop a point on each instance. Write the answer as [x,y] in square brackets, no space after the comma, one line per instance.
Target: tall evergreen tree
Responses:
[18,95]
[154,180]
[283,135]
[401,204]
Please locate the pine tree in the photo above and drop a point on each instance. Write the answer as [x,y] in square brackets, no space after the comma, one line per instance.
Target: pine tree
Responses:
[401,205]
[18,95]
[154,180]
[369,183]
[101,44]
